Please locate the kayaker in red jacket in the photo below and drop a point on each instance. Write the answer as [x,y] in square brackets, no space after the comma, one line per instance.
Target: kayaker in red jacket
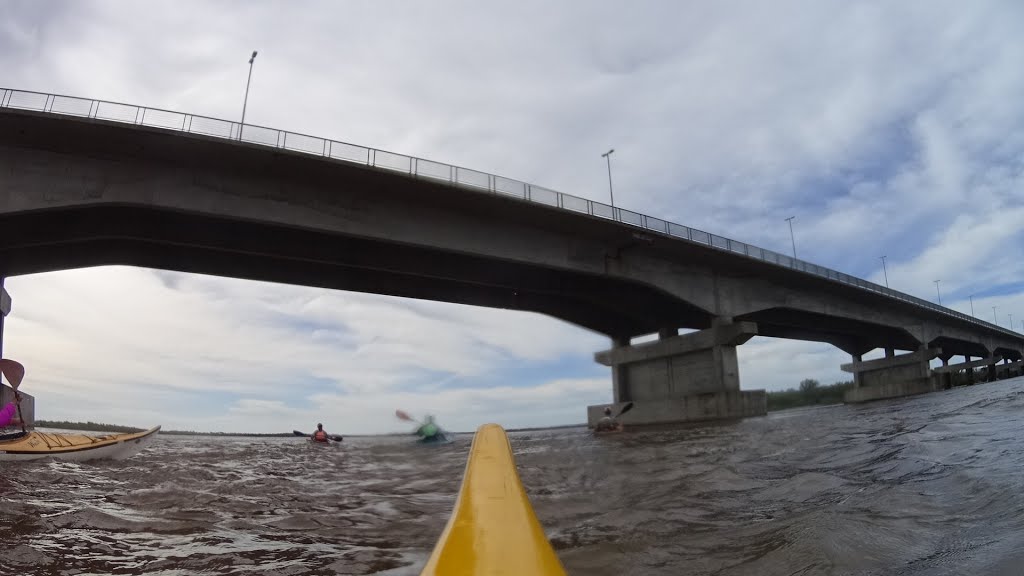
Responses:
[320,435]
[8,412]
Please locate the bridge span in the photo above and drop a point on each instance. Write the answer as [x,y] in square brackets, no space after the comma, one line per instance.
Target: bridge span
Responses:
[87,183]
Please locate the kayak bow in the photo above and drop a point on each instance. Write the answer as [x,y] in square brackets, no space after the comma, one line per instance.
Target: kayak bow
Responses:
[73,447]
[492,530]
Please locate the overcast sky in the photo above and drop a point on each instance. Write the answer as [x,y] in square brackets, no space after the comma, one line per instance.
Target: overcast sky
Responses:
[885,128]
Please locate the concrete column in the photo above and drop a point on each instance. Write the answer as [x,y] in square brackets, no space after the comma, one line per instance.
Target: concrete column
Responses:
[857,380]
[682,378]
[945,379]
[892,377]
[620,377]
[890,352]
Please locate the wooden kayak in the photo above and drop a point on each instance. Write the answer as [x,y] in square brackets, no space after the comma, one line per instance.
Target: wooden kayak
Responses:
[34,445]
[492,530]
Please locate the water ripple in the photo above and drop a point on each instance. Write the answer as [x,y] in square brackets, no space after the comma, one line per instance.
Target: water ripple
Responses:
[928,485]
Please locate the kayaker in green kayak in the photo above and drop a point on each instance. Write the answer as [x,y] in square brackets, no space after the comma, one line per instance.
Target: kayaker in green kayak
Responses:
[429,430]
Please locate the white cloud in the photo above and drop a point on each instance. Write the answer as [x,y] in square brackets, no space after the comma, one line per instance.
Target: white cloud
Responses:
[104,340]
[884,128]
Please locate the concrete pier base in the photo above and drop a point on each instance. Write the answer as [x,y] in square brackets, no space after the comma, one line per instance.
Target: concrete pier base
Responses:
[682,378]
[693,408]
[891,377]
[889,390]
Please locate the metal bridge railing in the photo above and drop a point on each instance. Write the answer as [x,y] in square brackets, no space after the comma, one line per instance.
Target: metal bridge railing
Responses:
[437,171]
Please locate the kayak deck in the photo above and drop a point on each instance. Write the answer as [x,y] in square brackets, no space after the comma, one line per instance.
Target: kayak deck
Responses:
[37,444]
[492,530]
[439,438]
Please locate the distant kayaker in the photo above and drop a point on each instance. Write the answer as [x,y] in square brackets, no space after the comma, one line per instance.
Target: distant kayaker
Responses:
[428,429]
[8,412]
[320,435]
[608,423]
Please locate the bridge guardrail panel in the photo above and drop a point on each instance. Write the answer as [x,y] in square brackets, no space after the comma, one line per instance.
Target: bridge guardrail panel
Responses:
[71,106]
[543,195]
[576,204]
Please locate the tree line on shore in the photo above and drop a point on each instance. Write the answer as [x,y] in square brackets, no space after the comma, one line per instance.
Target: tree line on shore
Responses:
[809,393]
[98,427]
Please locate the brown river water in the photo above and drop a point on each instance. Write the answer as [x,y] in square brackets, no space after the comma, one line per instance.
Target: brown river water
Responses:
[929,485]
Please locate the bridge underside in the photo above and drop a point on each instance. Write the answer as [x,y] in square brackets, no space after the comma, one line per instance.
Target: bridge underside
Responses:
[850,335]
[46,240]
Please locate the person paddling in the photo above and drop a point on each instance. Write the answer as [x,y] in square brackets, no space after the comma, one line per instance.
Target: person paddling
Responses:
[320,435]
[608,423]
[429,429]
[8,413]
[14,372]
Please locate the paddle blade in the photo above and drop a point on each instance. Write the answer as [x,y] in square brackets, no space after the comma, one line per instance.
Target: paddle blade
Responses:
[336,438]
[13,371]
[403,416]
[625,409]
[297,433]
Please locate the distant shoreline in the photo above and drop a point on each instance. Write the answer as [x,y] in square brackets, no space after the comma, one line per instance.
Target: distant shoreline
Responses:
[782,400]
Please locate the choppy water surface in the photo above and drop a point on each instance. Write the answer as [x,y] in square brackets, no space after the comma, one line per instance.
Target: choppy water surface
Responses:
[929,485]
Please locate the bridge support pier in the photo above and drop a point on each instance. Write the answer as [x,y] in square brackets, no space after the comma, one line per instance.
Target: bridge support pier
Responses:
[947,370]
[890,377]
[943,379]
[681,378]
[1010,368]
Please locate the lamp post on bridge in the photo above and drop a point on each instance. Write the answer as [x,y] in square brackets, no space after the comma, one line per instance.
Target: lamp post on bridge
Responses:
[246,101]
[608,156]
[994,319]
[1011,321]
[884,271]
[791,237]
[972,305]
[937,295]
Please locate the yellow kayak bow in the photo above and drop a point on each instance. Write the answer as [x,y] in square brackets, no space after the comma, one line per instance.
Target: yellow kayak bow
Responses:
[74,447]
[492,530]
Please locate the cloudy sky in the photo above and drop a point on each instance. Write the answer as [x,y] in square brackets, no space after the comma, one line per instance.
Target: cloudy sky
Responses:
[885,128]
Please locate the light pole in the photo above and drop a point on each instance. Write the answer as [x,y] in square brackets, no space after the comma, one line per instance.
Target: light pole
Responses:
[791,237]
[1011,321]
[608,156]
[937,295]
[972,305]
[246,101]
[885,272]
[994,319]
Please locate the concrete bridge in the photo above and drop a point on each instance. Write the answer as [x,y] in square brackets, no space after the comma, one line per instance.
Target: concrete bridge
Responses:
[87,183]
